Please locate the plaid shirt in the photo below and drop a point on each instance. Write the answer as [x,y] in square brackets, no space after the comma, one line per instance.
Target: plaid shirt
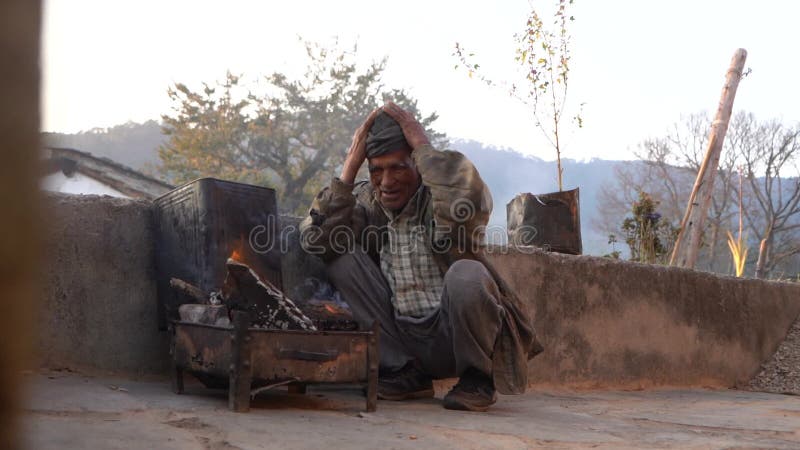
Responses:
[449,177]
[407,260]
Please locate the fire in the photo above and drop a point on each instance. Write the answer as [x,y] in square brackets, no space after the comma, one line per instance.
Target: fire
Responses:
[238,254]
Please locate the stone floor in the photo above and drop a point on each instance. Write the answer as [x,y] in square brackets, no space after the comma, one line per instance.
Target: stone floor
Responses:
[71,411]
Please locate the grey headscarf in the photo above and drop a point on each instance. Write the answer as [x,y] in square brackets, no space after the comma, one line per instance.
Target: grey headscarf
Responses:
[385,136]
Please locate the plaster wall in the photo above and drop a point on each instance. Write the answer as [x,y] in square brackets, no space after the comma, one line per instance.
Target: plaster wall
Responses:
[98,307]
[604,323]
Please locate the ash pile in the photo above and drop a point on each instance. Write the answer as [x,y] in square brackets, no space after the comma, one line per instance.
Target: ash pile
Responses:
[267,306]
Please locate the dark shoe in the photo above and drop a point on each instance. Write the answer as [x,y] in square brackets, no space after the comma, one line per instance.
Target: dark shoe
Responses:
[405,384]
[474,392]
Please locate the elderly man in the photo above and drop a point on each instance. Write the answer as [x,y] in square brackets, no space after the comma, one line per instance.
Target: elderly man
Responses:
[404,249]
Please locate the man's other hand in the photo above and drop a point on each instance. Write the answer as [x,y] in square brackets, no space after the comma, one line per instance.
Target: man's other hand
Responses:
[412,130]
[358,149]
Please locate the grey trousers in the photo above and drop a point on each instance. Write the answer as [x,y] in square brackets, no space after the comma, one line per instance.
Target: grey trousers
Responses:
[456,336]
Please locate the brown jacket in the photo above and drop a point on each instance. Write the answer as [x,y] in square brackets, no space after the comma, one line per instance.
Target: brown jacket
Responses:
[460,203]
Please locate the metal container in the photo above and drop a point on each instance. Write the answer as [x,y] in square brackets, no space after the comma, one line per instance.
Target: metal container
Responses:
[549,221]
[202,223]
[250,360]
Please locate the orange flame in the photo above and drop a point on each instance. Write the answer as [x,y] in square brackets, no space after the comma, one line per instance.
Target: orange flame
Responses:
[238,253]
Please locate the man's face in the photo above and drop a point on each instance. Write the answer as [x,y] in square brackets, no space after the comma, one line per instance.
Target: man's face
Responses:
[394,176]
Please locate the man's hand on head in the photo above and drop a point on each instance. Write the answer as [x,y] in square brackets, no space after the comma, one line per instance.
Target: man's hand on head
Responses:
[412,129]
[358,149]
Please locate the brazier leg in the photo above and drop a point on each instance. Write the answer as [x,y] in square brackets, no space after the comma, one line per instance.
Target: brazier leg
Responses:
[241,375]
[372,371]
[297,388]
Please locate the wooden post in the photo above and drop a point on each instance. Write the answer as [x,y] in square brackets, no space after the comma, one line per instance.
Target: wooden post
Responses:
[684,254]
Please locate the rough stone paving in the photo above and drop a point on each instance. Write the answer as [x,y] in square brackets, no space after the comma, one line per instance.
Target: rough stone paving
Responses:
[782,373]
[66,411]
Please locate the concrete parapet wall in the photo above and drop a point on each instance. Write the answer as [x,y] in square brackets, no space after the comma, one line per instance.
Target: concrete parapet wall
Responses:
[604,323]
[98,287]
[98,308]
[612,323]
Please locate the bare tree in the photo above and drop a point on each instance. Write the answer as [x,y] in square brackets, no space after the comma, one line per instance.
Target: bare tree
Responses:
[770,153]
[666,171]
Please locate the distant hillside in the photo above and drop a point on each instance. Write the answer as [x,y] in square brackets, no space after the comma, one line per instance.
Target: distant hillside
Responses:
[505,171]
[509,173]
[132,144]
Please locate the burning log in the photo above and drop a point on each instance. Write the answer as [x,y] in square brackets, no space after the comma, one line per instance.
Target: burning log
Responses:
[320,301]
[206,308]
[207,314]
[268,306]
[189,290]
[329,316]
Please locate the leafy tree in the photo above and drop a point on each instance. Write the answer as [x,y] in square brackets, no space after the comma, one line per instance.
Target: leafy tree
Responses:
[544,54]
[612,241]
[648,237]
[292,136]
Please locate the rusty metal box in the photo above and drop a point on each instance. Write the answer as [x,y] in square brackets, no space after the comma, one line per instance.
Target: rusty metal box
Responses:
[200,224]
[255,359]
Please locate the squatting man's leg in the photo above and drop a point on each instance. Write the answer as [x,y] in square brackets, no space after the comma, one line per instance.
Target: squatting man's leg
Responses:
[456,339]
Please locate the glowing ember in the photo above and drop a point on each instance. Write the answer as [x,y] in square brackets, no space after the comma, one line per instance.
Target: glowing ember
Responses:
[236,255]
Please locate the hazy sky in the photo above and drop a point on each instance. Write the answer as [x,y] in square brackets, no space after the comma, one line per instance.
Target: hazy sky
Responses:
[638,65]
